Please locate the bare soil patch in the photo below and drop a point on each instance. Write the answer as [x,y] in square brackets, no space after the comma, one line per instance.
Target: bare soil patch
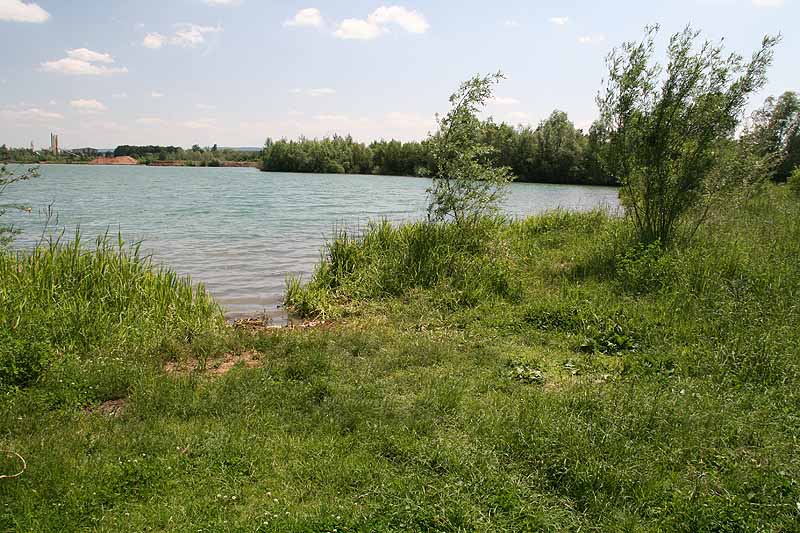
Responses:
[215,367]
[112,408]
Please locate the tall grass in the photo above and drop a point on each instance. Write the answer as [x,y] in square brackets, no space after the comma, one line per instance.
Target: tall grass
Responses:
[62,303]
[463,263]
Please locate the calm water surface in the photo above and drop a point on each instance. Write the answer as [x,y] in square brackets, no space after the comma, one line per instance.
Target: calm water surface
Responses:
[240,231]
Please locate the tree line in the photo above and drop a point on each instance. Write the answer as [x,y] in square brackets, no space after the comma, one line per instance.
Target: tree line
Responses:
[553,152]
[774,132]
[209,156]
[28,156]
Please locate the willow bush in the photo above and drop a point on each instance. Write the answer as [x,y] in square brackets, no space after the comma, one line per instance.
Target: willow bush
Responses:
[668,128]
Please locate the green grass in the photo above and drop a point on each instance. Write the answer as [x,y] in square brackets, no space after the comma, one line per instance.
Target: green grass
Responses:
[464,267]
[68,314]
[596,386]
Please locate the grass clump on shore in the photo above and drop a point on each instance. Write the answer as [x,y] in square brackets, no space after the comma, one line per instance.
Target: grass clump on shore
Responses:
[79,316]
[463,264]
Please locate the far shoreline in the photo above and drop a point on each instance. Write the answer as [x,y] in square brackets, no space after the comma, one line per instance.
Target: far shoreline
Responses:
[222,164]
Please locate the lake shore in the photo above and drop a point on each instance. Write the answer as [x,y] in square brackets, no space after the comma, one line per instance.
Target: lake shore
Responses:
[238,230]
[540,369]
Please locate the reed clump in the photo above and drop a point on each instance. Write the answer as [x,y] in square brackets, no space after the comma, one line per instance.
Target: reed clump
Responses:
[462,263]
[63,303]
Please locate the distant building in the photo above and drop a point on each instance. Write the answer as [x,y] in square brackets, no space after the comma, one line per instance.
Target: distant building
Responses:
[54,143]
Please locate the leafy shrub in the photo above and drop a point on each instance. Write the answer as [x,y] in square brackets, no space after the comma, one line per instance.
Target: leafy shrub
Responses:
[666,167]
[607,332]
[524,372]
[644,268]
[607,335]
[562,317]
[466,185]
[21,361]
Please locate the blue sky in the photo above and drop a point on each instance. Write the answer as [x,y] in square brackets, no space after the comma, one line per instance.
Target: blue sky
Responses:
[233,72]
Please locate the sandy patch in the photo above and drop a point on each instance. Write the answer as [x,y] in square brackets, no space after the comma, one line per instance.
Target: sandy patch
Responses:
[215,367]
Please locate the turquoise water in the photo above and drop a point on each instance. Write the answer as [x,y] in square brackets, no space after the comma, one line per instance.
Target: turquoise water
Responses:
[240,231]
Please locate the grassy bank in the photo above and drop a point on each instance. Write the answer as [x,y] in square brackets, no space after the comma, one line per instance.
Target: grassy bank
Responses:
[543,374]
[76,320]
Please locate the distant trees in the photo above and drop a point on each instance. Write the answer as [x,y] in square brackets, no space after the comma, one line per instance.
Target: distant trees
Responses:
[775,132]
[343,155]
[334,155]
[395,158]
[553,152]
[668,129]
[196,155]
[139,152]
[27,156]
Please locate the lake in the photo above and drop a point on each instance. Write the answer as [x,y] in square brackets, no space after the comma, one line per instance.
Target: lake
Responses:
[240,231]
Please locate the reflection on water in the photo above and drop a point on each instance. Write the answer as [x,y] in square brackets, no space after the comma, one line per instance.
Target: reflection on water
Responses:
[238,230]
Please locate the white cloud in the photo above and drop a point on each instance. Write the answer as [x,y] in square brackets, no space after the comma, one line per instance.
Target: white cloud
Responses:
[83,62]
[397,124]
[52,102]
[88,106]
[153,41]
[89,56]
[321,91]
[186,35]
[33,113]
[206,107]
[156,94]
[17,11]
[595,38]
[189,35]
[119,96]
[411,21]
[357,29]
[310,17]
[768,3]
[377,23]
[511,23]
[558,21]
[231,3]
[503,100]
